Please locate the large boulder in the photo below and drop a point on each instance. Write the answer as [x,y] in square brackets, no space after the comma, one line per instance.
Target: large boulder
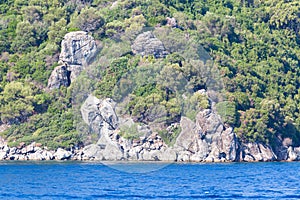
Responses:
[77,50]
[36,156]
[28,149]
[208,122]
[168,155]
[228,144]
[92,152]
[110,150]
[62,154]
[254,152]
[207,139]
[96,113]
[48,155]
[101,118]
[147,44]
[293,153]
[187,139]
[91,115]
[107,111]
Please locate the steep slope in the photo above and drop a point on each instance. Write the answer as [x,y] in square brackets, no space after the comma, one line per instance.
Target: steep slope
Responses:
[254,45]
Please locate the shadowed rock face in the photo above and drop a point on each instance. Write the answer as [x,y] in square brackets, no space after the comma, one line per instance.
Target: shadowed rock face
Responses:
[77,50]
[60,76]
[147,44]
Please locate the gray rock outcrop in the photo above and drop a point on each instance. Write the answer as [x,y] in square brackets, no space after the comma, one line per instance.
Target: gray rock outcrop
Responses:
[77,50]
[101,118]
[293,153]
[96,113]
[254,152]
[110,150]
[229,144]
[32,151]
[92,152]
[206,140]
[62,154]
[111,146]
[147,44]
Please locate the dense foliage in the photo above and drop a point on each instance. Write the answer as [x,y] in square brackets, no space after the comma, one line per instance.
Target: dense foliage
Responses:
[255,45]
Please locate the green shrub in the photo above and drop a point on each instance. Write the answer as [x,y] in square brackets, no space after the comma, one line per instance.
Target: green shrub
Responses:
[227,111]
[169,137]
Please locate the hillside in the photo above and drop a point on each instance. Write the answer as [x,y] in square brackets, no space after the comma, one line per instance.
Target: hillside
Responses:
[253,44]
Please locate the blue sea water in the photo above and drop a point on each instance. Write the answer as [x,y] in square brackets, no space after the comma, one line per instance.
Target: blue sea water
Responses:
[74,180]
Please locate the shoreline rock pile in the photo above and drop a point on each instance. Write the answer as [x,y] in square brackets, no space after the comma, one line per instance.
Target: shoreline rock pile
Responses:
[204,140]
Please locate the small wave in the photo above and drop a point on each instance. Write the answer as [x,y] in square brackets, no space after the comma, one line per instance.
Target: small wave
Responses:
[34,196]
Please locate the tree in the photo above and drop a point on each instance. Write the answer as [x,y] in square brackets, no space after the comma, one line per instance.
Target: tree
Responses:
[89,20]
[227,111]
[286,15]
[16,102]
[26,37]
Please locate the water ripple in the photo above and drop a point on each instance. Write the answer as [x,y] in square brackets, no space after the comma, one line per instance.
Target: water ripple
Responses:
[176,181]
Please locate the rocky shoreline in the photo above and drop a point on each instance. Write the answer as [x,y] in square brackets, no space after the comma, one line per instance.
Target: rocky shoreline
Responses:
[205,140]
[34,152]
